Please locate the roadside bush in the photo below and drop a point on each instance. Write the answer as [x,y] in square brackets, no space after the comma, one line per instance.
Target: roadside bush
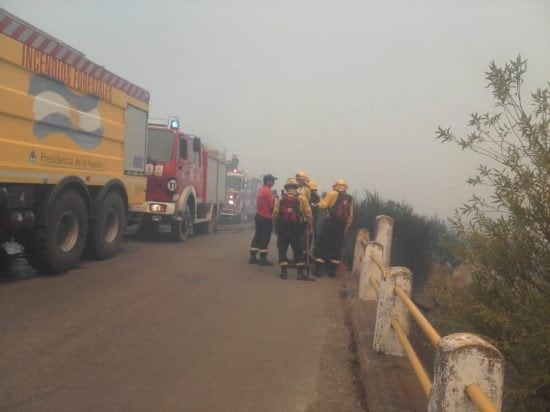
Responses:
[417,241]
[505,238]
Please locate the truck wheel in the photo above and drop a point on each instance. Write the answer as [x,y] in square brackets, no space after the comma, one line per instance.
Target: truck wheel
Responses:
[107,230]
[180,229]
[207,228]
[58,245]
[211,226]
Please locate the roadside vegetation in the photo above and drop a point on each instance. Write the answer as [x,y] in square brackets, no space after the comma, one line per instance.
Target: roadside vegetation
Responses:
[489,266]
[502,290]
[418,242]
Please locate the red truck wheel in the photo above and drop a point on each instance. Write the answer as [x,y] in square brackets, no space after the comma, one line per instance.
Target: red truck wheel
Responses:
[181,228]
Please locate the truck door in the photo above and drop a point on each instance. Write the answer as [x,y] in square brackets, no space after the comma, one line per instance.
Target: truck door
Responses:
[183,164]
[196,166]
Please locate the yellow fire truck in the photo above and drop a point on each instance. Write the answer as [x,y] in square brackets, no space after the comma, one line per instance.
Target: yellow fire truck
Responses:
[72,148]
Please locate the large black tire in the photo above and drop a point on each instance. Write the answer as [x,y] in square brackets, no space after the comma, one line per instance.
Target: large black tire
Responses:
[4,261]
[180,229]
[58,245]
[107,229]
[207,228]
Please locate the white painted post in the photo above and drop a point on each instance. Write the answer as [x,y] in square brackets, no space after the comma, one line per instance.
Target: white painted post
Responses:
[462,359]
[361,240]
[369,270]
[391,307]
[384,232]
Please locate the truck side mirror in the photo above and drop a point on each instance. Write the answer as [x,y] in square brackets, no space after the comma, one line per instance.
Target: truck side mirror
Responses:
[197,144]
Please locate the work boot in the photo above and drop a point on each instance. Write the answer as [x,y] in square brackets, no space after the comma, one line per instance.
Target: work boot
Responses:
[317,270]
[263,260]
[284,272]
[331,269]
[253,258]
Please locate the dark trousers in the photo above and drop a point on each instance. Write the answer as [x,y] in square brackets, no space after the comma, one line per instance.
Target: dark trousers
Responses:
[290,235]
[331,240]
[262,234]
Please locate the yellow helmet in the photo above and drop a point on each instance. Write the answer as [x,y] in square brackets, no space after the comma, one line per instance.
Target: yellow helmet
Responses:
[313,185]
[340,184]
[291,182]
[301,175]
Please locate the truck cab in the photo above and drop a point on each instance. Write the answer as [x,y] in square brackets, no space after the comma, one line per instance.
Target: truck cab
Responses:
[183,180]
[240,196]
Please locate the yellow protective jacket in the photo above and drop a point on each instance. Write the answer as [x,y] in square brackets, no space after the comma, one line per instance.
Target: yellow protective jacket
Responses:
[329,201]
[305,191]
[305,208]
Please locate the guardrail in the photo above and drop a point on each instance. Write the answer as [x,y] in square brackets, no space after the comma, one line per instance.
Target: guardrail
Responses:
[468,372]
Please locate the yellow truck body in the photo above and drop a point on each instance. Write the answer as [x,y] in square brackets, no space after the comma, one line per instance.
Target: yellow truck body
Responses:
[66,125]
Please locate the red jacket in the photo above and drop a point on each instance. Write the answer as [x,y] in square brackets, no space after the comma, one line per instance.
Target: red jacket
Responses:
[265,202]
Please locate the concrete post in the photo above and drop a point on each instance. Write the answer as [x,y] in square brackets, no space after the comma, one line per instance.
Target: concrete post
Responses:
[391,307]
[361,240]
[369,270]
[462,359]
[384,232]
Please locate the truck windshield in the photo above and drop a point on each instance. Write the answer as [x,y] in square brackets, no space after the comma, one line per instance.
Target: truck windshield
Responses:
[234,182]
[159,146]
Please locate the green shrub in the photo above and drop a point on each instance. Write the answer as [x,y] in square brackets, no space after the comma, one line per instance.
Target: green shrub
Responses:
[505,239]
[417,241]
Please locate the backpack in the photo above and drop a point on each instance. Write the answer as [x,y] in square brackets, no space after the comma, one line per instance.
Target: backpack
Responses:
[341,208]
[289,209]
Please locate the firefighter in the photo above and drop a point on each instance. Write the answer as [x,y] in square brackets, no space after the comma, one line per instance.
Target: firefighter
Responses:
[291,211]
[303,182]
[314,203]
[265,203]
[339,206]
[303,189]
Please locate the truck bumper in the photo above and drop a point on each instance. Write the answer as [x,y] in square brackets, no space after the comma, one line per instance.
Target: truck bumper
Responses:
[154,208]
[161,212]
[230,214]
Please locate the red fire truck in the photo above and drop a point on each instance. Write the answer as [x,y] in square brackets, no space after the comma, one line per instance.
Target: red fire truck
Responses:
[185,182]
[240,196]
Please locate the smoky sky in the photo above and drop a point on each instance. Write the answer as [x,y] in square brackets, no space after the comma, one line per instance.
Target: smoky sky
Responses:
[341,89]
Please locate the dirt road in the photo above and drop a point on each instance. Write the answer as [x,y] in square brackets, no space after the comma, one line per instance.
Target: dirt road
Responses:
[167,326]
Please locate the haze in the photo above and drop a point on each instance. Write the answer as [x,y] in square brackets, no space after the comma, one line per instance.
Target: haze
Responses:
[341,89]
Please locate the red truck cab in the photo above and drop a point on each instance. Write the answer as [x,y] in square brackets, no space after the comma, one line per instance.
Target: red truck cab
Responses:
[185,182]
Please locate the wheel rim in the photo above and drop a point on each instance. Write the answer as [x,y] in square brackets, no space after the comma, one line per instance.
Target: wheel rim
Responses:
[67,234]
[111,226]
[185,219]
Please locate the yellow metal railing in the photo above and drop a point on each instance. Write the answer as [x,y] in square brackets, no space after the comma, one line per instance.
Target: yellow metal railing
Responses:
[380,265]
[480,400]
[420,319]
[413,357]
[474,392]
[375,285]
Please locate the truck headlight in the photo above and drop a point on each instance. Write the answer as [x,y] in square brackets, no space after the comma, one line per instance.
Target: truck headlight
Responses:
[231,202]
[157,208]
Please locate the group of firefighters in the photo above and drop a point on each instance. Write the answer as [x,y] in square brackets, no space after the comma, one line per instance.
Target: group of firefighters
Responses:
[294,217]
